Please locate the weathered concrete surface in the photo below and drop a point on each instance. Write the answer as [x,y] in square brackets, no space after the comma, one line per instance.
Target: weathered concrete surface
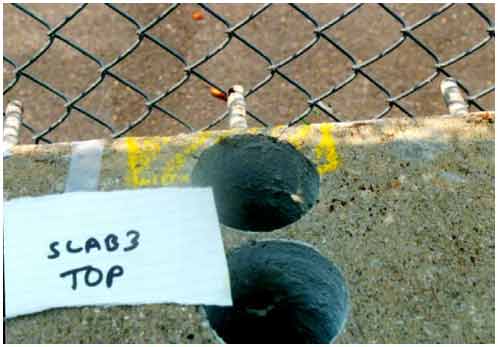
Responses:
[406,210]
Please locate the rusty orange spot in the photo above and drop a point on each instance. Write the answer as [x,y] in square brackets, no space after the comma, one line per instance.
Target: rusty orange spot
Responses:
[218,94]
[197,15]
[488,116]
[396,184]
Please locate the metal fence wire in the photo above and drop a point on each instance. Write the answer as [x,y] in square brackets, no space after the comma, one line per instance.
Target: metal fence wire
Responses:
[321,33]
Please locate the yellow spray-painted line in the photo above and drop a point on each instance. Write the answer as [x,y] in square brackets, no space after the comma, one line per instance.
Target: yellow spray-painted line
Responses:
[299,138]
[146,169]
[277,131]
[173,168]
[140,158]
[325,151]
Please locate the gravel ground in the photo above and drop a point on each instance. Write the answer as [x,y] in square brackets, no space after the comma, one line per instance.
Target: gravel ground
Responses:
[279,32]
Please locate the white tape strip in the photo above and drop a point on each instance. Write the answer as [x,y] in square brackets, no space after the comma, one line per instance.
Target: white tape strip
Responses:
[84,170]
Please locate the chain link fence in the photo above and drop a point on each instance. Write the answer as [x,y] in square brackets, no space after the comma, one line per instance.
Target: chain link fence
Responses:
[88,71]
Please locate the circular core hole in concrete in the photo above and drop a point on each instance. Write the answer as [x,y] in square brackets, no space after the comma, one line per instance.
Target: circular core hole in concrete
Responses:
[259,183]
[283,292]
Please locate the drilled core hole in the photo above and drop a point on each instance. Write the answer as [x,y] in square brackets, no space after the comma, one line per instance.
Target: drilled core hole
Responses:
[259,183]
[283,292]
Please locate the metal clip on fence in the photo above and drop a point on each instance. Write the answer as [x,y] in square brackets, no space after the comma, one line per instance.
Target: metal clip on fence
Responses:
[453,97]
[13,119]
[237,107]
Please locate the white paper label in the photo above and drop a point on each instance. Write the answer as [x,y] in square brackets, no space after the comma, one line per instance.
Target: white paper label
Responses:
[110,248]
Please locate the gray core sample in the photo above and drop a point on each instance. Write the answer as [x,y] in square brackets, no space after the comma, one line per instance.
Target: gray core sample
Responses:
[259,183]
[283,292]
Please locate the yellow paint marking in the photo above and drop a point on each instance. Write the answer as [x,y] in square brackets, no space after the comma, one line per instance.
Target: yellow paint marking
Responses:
[277,131]
[143,155]
[174,166]
[325,150]
[253,131]
[140,158]
[300,136]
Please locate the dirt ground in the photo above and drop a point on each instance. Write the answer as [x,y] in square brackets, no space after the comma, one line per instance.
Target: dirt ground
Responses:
[278,31]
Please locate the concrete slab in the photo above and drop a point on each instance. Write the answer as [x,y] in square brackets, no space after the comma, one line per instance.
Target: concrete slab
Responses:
[406,210]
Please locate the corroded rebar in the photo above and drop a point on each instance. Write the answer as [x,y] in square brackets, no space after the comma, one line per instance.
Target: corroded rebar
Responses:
[237,107]
[12,124]
[453,97]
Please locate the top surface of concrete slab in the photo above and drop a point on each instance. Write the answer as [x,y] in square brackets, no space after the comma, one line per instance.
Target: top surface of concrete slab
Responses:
[406,210]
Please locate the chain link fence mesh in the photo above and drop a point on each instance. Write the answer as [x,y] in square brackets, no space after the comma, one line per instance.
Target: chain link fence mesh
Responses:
[91,71]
